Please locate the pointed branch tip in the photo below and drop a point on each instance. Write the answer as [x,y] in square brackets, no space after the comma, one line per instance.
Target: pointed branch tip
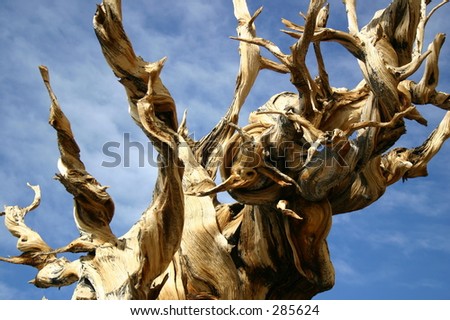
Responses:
[256,15]
[44,73]
[37,197]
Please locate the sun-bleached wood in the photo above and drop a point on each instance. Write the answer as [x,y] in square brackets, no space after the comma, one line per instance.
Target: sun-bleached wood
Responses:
[303,157]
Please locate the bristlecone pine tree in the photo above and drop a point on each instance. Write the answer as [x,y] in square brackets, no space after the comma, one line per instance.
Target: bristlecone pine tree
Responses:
[302,158]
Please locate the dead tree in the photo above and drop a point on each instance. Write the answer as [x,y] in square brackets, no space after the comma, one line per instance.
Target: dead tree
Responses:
[302,158]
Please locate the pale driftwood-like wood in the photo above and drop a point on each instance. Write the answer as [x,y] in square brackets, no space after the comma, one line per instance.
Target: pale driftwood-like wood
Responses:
[294,165]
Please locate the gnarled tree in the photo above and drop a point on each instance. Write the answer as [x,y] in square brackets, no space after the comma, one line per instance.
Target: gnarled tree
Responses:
[302,158]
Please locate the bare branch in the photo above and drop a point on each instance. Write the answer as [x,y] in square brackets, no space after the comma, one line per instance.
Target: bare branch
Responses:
[350,7]
[127,66]
[325,87]
[251,64]
[424,92]
[270,46]
[94,208]
[29,242]
[348,41]
[375,124]
[402,163]
[300,76]
[421,156]
[436,8]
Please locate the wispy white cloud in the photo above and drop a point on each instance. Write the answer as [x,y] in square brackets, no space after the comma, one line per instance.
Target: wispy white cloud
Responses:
[347,273]
[8,292]
[424,283]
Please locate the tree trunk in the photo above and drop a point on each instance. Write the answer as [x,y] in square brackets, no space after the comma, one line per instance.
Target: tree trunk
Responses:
[303,157]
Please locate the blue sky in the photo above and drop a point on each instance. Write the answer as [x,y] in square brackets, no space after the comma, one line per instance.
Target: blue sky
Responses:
[398,248]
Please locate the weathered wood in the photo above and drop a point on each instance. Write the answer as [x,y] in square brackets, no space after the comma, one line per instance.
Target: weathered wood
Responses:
[294,165]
